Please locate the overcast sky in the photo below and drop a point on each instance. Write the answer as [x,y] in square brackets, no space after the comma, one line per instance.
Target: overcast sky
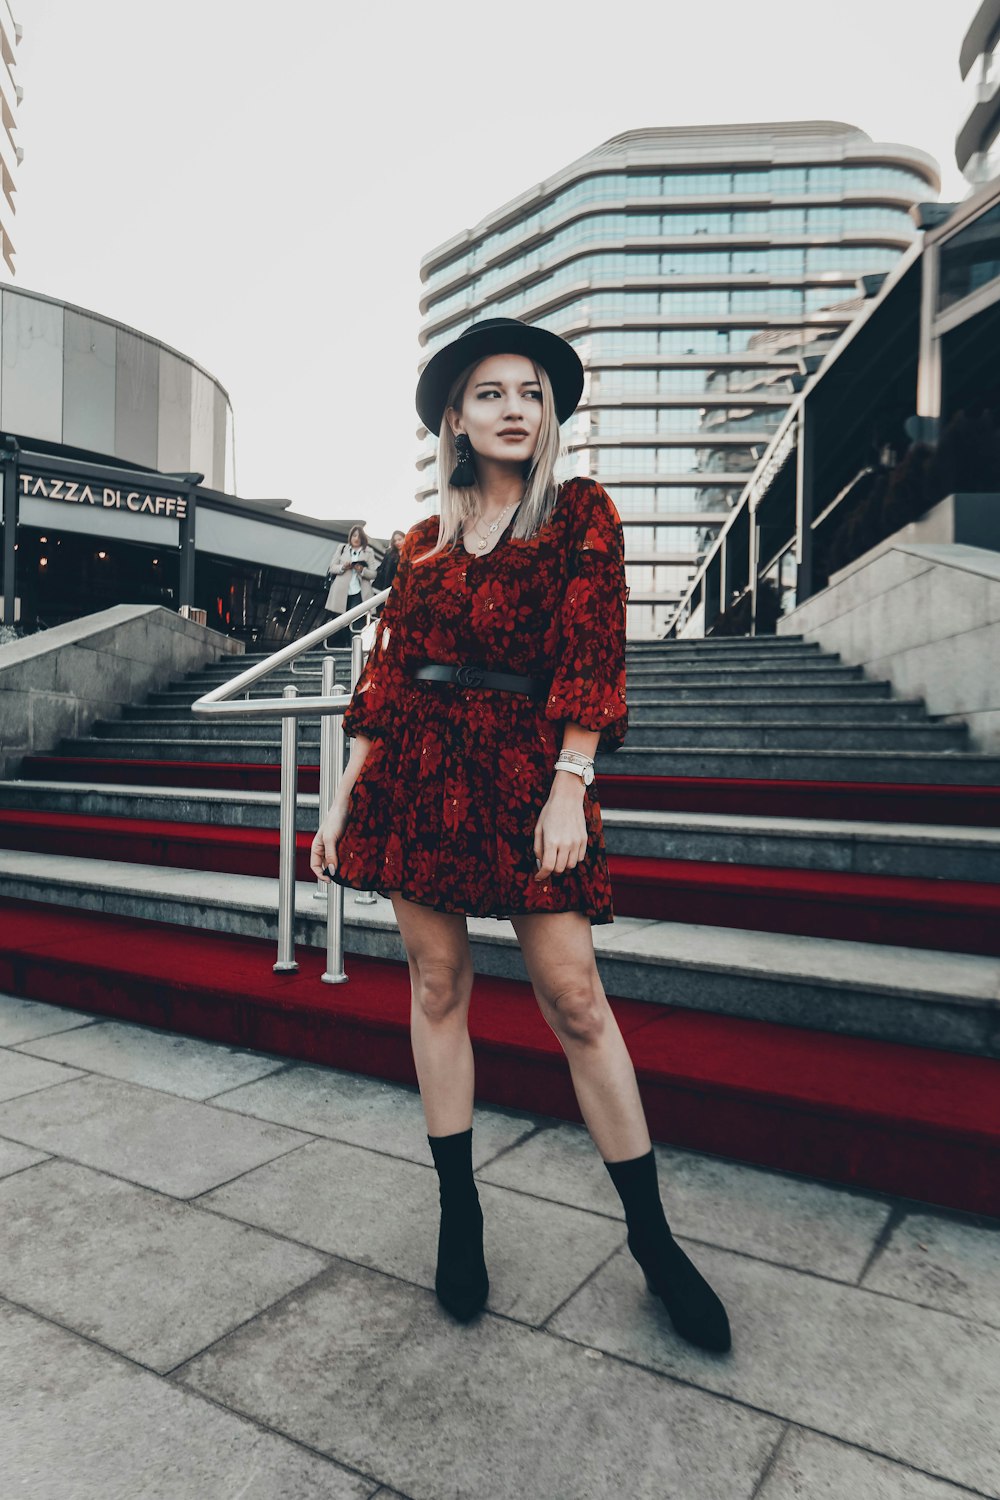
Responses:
[255,184]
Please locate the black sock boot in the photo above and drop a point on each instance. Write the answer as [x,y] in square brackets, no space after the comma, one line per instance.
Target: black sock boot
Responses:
[461,1282]
[694,1309]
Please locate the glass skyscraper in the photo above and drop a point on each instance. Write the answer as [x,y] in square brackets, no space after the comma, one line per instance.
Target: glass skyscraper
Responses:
[692,268]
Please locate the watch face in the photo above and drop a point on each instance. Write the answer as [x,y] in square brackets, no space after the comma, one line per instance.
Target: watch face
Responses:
[588,775]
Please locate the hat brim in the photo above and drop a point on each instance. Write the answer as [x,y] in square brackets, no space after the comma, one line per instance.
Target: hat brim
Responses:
[557,358]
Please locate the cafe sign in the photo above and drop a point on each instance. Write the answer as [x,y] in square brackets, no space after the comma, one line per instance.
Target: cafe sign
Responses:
[104,496]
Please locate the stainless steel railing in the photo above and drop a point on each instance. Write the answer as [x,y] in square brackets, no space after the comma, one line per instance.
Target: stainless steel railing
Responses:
[329,706]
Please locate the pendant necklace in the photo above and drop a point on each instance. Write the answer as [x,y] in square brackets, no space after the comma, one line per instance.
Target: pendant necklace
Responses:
[485,542]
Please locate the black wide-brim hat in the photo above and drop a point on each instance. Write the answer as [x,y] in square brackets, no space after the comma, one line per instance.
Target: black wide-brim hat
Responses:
[558,359]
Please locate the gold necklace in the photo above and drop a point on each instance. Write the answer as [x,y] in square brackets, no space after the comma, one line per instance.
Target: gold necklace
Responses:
[486,535]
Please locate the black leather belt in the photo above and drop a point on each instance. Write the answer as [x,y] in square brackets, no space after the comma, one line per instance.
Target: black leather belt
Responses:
[470,674]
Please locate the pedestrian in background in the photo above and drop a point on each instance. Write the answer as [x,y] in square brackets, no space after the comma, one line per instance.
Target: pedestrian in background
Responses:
[351,577]
[387,567]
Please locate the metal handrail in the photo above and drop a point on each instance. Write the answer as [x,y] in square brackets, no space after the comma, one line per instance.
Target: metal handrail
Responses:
[329,706]
[219,701]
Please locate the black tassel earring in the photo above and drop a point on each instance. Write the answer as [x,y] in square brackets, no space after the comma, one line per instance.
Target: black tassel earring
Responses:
[463,475]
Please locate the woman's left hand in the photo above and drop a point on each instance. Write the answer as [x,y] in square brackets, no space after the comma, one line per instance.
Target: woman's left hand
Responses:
[560,833]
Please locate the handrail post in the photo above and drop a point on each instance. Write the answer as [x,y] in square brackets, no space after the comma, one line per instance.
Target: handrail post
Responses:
[327,776]
[331,759]
[286,834]
[362,898]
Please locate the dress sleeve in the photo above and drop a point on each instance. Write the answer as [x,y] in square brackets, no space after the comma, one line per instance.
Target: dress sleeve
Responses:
[589,682]
[375,703]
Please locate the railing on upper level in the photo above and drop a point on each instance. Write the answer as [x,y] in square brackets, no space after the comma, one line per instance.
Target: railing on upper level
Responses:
[328,706]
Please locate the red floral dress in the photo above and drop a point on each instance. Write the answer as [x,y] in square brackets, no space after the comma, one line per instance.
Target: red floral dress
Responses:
[445,806]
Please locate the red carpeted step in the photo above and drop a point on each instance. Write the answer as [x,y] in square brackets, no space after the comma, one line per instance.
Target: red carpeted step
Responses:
[900,1119]
[222,775]
[865,801]
[952,916]
[881,802]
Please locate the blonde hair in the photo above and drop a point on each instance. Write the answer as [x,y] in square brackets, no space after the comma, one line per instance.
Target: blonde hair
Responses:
[459,504]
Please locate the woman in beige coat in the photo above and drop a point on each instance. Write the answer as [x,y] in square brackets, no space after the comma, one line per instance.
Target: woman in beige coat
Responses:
[352,568]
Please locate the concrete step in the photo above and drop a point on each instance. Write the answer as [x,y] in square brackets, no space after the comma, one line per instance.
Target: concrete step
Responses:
[812,669]
[926,850]
[952,916]
[759,674]
[720,642]
[954,768]
[191,727]
[918,996]
[753,709]
[950,767]
[659,732]
[785,734]
[791,691]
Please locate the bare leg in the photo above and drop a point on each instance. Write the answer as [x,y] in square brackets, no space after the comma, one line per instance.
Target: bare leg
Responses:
[441,975]
[559,955]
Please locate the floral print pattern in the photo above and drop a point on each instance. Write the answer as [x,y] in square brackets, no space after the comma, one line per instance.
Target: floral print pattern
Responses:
[445,806]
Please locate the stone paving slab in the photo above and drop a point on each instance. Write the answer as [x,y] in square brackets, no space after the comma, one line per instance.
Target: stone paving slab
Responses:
[366,1111]
[176,1145]
[78,1423]
[159,1059]
[27,1075]
[832,1392]
[943,1263]
[383,1212]
[372,1372]
[772,1215]
[15,1157]
[914,1385]
[152,1278]
[809,1467]
[21,1020]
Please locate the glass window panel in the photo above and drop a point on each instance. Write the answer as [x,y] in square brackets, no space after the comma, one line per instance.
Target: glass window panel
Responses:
[89,383]
[644,185]
[789,180]
[758,222]
[970,259]
[751,182]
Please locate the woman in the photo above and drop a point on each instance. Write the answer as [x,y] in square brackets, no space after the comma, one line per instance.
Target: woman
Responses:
[387,567]
[390,561]
[352,569]
[498,669]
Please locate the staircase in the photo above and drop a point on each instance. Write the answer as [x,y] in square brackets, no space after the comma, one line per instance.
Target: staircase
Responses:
[805,959]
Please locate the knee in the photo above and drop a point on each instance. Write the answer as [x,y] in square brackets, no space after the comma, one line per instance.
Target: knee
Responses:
[441,989]
[579,1013]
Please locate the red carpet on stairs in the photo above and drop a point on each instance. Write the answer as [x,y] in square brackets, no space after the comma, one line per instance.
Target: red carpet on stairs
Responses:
[951,916]
[881,802]
[907,1120]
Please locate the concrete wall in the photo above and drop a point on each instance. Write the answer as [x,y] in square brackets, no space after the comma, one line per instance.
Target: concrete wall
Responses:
[59,681]
[924,615]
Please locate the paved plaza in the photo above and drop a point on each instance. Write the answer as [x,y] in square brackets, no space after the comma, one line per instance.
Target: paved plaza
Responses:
[216,1283]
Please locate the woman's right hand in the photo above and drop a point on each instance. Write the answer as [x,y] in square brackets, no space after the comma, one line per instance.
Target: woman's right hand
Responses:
[324,845]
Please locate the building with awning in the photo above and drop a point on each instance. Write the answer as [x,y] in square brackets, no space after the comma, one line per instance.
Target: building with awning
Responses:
[118,485]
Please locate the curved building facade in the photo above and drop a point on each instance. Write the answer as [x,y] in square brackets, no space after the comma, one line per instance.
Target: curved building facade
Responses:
[78,379]
[693,269]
